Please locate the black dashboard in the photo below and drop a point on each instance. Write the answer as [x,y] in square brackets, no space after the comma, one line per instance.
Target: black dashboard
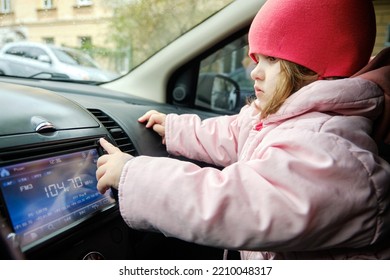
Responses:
[48,152]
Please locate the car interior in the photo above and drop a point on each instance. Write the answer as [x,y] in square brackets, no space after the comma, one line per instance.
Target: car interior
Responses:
[49,132]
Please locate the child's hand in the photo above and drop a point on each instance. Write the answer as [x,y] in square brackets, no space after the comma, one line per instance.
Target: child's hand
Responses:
[109,167]
[156,120]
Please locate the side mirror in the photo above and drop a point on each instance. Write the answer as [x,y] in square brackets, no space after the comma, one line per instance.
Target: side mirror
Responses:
[44,58]
[217,92]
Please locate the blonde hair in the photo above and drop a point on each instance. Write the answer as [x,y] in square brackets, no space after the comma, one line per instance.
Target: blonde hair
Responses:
[292,78]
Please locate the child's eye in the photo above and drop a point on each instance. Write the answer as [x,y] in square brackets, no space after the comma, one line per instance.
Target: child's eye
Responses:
[271,58]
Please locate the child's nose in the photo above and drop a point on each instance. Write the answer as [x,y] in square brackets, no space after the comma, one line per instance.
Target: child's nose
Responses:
[258,72]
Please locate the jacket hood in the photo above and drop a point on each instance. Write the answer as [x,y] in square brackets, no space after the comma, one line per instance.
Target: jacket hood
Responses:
[349,97]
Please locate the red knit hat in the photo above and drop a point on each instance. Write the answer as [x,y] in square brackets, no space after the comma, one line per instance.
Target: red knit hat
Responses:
[333,38]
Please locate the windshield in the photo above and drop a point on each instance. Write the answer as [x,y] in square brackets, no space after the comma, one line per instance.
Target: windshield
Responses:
[114,36]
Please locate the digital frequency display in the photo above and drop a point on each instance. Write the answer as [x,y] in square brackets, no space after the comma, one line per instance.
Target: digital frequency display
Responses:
[43,197]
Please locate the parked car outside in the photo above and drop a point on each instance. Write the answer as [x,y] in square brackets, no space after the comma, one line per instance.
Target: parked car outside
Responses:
[38,60]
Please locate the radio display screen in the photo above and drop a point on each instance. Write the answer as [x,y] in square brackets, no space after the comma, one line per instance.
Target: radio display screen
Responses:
[47,196]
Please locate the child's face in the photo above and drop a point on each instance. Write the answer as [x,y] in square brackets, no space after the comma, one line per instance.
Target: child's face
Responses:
[266,76]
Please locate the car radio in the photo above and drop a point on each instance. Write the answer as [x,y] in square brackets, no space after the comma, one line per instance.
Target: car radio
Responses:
[46,196]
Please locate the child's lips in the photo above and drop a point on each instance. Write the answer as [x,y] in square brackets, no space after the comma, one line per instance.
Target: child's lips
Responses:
[258,91]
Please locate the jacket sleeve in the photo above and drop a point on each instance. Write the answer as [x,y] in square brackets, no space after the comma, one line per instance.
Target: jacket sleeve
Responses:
[289,196]
[213,140]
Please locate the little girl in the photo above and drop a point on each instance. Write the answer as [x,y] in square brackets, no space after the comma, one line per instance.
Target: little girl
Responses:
[300,174]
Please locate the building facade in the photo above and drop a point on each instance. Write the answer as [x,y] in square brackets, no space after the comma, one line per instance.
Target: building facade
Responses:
[53,21]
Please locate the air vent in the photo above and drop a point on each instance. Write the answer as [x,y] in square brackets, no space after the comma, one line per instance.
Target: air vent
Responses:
[121,139]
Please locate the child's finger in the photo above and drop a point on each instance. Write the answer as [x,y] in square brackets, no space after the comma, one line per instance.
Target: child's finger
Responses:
[108,146]
[147,115]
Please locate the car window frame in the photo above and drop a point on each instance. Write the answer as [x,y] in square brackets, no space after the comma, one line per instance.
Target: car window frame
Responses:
[183,83]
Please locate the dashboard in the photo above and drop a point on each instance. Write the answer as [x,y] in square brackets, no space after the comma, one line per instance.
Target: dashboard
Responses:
[48,152]
[49,205]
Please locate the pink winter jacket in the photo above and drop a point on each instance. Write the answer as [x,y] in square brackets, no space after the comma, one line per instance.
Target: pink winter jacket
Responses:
[307,185]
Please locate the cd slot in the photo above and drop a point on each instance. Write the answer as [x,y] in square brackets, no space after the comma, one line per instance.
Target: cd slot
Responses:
[32,152]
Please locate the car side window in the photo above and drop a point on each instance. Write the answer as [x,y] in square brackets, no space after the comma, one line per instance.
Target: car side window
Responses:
[27,52]
[34,53]
[16,51]
[224,82]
